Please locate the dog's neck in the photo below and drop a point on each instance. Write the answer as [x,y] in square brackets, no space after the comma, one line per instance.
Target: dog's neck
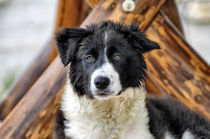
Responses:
[112,114]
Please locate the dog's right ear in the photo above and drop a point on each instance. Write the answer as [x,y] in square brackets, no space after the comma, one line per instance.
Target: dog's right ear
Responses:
[68,40]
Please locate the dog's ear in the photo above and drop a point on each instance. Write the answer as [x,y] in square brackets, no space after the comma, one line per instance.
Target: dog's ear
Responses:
[141,43]
[68,40]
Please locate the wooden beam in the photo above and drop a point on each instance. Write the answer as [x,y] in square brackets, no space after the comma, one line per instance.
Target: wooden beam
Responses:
[43,126]
[43,92]
[142,13]
[177,68]
[39,97]
[70,13]
[169,8]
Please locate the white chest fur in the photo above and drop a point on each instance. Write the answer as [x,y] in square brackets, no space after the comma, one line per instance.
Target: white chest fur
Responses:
[122,117]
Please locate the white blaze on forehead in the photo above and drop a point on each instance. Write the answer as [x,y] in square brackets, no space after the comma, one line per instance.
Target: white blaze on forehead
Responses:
[105,55]
[105,37]
[107,70]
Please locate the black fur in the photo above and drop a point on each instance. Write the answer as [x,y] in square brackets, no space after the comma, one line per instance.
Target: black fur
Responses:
[75,44]
[170,115]
[59,126]
[68,41]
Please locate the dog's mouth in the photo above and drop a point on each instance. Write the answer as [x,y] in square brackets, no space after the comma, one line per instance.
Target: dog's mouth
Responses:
[102,94]
[105,94]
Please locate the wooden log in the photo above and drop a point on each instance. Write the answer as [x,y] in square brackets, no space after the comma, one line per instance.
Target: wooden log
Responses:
[43,92]
[170,10]
[71,13]
[37,99]
[28,78]
[177,68]
[43,126]
[142,13]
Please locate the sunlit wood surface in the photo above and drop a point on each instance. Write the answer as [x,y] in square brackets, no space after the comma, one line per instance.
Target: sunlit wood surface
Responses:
[177,68]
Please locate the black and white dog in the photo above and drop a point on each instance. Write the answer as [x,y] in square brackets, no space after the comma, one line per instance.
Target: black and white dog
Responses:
[105,96]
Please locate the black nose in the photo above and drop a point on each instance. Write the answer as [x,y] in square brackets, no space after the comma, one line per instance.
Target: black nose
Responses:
[101,82]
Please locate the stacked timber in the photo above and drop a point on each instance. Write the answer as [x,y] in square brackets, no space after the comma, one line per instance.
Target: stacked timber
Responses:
[176,69]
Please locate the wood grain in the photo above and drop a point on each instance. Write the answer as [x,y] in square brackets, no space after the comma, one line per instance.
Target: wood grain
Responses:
[33,104]
[143,14]
[70,13]
[20,122]
[177,68]
[169,8]
[43,126]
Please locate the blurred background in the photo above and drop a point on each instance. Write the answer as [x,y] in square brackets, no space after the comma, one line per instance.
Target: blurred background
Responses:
[26,25]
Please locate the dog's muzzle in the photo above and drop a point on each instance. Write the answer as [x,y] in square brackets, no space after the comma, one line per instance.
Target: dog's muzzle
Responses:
[105,81]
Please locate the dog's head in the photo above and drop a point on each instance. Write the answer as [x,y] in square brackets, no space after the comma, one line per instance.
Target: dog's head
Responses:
[105,58]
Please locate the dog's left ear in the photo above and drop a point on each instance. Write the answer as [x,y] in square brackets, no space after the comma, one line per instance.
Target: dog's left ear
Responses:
[141,43]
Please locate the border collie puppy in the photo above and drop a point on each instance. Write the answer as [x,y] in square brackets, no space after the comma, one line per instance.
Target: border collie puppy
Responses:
[105,96]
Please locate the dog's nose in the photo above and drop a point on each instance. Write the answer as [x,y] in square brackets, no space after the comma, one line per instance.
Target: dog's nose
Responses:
[101,82]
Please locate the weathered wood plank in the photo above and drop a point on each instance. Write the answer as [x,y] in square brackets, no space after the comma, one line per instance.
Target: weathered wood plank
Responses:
[143,14]
[34,102]
[169,8]
[71,13]
[177,68]
[43,92]
[43,126]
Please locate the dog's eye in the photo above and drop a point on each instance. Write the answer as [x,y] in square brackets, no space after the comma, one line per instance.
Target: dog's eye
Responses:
[117,57]
[90,58]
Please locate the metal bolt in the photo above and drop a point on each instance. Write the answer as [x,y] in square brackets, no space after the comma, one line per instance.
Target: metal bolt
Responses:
[128,5]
